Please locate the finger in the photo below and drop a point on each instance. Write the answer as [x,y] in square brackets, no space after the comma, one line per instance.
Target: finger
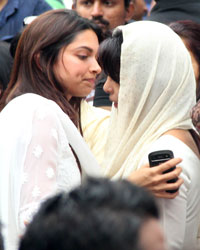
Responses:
[167,165]
[166,195]
[175,185]
[162,179]
[162,187]
[174,174]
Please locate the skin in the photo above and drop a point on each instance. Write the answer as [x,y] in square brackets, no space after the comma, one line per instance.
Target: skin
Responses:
[108,14]
[112,88]
[140,9]
[151,236]
[153,3]
[3,3]
[77,67]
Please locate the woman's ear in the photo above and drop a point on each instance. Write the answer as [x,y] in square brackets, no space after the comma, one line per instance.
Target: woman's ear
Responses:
[129,11]
[37,60]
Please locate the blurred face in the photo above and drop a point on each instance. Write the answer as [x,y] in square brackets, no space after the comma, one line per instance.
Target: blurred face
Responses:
[194,62]
[112,88]
[151,236]
[76,68]
[140,9]
[108,14]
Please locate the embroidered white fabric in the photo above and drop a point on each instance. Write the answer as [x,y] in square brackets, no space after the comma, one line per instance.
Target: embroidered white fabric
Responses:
[36,159]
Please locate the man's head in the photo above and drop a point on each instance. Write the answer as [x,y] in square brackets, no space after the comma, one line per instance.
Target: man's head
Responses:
[140,9]
[108,14]
[101,215]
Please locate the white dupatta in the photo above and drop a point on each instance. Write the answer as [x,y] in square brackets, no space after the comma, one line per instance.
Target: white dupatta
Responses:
[157,92]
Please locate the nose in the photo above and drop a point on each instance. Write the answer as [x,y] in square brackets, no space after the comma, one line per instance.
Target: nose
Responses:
[95,67]
[97,9]
[107,87]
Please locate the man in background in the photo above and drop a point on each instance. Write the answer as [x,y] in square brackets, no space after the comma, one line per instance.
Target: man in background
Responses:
[13,12]
[140,9]
[108,14]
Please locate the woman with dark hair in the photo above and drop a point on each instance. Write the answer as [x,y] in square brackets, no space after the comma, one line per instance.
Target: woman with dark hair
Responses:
[41,150]
[152,85]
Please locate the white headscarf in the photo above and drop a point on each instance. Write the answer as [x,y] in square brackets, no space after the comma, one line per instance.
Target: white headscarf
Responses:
[157,92]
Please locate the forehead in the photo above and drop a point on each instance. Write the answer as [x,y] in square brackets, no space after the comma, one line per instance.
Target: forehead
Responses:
[86,39]
[100,1]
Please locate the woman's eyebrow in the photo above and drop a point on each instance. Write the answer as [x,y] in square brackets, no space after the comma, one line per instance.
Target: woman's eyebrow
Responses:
[85,47]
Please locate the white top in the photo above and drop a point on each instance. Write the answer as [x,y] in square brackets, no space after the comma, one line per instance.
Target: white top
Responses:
[180,217]
[36,159]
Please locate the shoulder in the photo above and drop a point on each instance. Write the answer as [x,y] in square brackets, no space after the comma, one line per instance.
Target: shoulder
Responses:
[91,114]
[27,105]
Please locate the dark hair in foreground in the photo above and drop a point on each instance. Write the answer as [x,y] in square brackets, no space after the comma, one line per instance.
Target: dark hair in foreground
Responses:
[37,52]
[109,55]
[190,32]
[100,214]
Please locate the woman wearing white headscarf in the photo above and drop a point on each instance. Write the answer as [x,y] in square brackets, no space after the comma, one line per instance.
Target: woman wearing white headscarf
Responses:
[151,111]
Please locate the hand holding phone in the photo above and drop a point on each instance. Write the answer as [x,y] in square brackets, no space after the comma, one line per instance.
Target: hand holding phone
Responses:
[158,157]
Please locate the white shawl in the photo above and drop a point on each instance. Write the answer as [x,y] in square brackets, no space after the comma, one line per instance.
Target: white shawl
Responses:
[157,92]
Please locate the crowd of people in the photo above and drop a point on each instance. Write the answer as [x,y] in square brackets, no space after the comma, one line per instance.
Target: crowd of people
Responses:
[86,95]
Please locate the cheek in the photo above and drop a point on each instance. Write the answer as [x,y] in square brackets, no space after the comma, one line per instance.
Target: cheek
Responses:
[196,70]
[116,16]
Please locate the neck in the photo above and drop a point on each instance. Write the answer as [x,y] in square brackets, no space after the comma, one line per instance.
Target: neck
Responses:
[3,3]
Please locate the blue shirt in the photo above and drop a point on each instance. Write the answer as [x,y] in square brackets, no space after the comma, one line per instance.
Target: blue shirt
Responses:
[14,12]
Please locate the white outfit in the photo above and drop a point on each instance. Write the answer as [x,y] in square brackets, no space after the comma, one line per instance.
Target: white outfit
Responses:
[36,159]
[157,91]
[180,218]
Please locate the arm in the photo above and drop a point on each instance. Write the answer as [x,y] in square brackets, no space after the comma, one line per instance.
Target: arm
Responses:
[40,171]
[156,181]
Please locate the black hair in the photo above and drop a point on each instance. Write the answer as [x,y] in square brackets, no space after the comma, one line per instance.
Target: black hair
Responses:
[100,214]
[109,55]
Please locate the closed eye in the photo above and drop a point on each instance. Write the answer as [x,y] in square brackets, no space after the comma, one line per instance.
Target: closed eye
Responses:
[82,57]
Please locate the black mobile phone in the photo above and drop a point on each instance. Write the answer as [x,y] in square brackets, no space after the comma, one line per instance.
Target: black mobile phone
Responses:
[158,157]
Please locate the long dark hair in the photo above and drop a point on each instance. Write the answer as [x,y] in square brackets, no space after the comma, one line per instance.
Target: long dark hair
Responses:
[37,52]
[190,32]
[109,55]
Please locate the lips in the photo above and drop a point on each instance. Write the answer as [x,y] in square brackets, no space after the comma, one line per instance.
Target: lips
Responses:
[100,24]
[91,80]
